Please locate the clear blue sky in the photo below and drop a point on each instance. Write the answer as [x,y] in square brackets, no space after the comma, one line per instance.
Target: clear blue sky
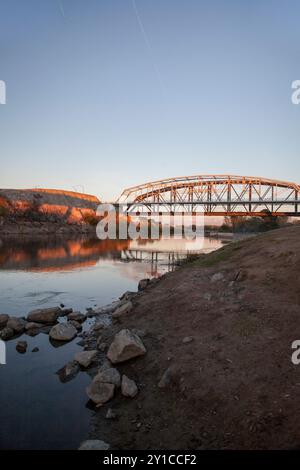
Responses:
[102,95]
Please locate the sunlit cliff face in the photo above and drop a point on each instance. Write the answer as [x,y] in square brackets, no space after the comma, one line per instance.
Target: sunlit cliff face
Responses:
[67,206]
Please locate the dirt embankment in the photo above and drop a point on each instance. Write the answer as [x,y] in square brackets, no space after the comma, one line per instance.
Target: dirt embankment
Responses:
[224,325]
[46,211]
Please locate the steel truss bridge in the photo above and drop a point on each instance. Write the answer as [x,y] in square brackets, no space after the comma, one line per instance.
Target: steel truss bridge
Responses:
[213,195]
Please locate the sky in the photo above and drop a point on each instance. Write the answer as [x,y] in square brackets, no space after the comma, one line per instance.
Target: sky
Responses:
[102,95]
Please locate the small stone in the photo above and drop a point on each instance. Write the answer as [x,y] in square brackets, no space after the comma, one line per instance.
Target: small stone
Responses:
[36,349]
[168,377]
[217,277]
[123,309]
[128,387]
[126,345]
[207,296]
[110,414]
[85,358]
[241,276]
[94,444]
[6,333]
[3,320]
[63,332]
[21,347]
[187,339]
[143,284]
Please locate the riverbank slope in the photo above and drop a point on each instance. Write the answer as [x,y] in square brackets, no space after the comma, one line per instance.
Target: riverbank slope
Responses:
[222,327]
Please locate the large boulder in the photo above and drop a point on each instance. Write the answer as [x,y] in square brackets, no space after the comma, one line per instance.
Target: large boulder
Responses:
[85,358]
[63,332]
[16,324]
[3,320]
[126,345]
[44,315]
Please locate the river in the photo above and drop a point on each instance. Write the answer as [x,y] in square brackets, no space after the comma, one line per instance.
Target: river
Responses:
[37,411]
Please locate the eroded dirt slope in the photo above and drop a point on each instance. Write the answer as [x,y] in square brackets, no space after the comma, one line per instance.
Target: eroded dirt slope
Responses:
[233,385]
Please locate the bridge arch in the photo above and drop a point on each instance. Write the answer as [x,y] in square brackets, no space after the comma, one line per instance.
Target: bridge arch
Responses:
[215,195]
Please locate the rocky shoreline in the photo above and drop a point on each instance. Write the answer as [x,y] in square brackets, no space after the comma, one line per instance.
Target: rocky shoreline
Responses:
[97,358]
[197,359]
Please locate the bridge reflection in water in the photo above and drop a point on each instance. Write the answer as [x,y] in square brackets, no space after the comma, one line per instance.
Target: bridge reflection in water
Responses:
[50,255]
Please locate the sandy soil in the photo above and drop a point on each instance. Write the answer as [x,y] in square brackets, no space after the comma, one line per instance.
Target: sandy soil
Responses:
[233,385]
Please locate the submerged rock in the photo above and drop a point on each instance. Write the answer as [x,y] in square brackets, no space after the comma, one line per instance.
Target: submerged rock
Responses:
[128,387]
[94,444]
[63,332]
[85,358]
[44,315]
[68,372]
[126,345]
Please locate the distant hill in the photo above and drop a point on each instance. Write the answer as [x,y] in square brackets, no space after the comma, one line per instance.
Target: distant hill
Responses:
[41,206]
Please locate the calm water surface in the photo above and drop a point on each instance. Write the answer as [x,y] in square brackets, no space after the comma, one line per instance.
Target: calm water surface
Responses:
[37,411]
